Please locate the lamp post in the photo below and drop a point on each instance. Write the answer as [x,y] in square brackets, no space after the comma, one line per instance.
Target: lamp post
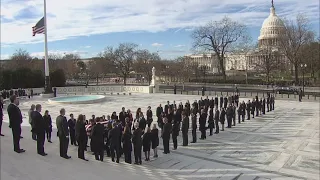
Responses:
[303,67]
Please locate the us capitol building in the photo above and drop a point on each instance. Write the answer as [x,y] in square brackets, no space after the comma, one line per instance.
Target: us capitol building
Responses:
[268,43]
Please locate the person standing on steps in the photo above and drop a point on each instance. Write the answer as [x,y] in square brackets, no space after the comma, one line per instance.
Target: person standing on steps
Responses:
[185,128]
[15,120]
[71,125]
[81,136]
[30,112]
[194,127]
[137,143]
[167,129]
[48,124]
[155,140]
[40,129]
[1,114]
[63,133]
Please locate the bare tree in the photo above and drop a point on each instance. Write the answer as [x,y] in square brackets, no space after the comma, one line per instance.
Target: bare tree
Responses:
[145,62]
[20,59]
[218,37]
[310,55]
[296,34]
[122,58]
[269,61]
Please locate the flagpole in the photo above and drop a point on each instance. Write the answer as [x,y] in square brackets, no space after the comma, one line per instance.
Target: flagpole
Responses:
[48,88]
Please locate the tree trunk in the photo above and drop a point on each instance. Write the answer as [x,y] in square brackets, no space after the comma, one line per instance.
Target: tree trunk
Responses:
[125,80]
[296,75]
[223,70]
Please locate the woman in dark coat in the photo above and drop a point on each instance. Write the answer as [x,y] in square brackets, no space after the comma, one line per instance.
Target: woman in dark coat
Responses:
[222,118]
[155,140]
[48,124]
[97,140]
[127,146]
[81,136]
[147,143]
[137,143]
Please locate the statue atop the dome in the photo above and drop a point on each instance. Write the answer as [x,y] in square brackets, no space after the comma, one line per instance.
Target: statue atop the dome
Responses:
[272,4]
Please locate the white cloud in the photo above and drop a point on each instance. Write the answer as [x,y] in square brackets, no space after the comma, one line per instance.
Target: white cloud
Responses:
[180,45]
[68,19]
[5,56]
[156,44]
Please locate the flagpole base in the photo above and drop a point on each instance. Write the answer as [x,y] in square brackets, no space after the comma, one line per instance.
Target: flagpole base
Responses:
[47,88]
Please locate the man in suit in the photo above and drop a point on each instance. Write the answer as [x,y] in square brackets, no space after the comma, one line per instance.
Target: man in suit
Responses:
[63,133]
[15,120]
[114,141]
[39,129]
[159,111]
[1,114]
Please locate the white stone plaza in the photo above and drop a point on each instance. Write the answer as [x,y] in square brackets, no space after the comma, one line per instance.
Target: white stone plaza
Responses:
[283,144]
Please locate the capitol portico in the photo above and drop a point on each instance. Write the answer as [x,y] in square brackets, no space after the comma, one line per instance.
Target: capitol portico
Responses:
[268,45]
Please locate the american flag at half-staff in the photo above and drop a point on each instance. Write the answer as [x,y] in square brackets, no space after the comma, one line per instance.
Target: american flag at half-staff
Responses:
[39,28]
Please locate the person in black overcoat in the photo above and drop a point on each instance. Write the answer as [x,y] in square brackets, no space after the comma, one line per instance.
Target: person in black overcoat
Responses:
[1,114]
[221,102]
[146,143]
[155,140]
[239,111]
[48,124]
[229,114]
[137,143]
[194,127]
[72,131]
[142,122]
[187,108]
[97,138]
[202,124]
[225,102]
[167,129]
[160,120]
[122,116]
[248,108]
[211,121]
[149,116]
[264,106]
[81,136]
[222,118]
[185,129]
[175,133]
[107,140]
[166,108]
[114,142]
[217,119]
[216,101]
[127,144]
[40,129]
[253,107]
[159,111]
[15,120]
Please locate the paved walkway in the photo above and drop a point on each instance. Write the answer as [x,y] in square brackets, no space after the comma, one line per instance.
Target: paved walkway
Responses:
[283,144]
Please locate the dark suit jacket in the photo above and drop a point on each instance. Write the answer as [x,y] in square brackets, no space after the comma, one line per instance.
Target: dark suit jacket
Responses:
[114,137]
[81,134]
[62,126]
[15,117]
[39,123]
[1,113]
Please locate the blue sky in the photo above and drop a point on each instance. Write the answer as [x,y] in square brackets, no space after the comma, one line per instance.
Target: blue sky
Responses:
[162,26]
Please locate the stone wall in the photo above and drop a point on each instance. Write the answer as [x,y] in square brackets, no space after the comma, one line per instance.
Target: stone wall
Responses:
[103,89]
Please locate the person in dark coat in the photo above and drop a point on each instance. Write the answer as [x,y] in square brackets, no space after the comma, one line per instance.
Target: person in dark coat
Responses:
[194,127]
[167,107]
[149,116]
[122,116]
[81,136]
[48,124]
[114,142]
[114,116]
[272,102]
[253,107]
[225,102]
[159,111]
[72,131]
[175,133]
[243,110]
[1,114]
[15,120]
[127,144]
[142,122]
[211,121]
[187,108]
[160,120]
[63,133]
[97,138]
[229,114]
[234,110]
[185,129]
[248,108]
[239,111]
[202,124]
[217,119]
[155,140]
[216,101]
[146,143]
[40,129]
[137,143]
[221,101]
[167,129]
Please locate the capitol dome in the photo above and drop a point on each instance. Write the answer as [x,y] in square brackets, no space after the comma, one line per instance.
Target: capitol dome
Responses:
[271,30]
